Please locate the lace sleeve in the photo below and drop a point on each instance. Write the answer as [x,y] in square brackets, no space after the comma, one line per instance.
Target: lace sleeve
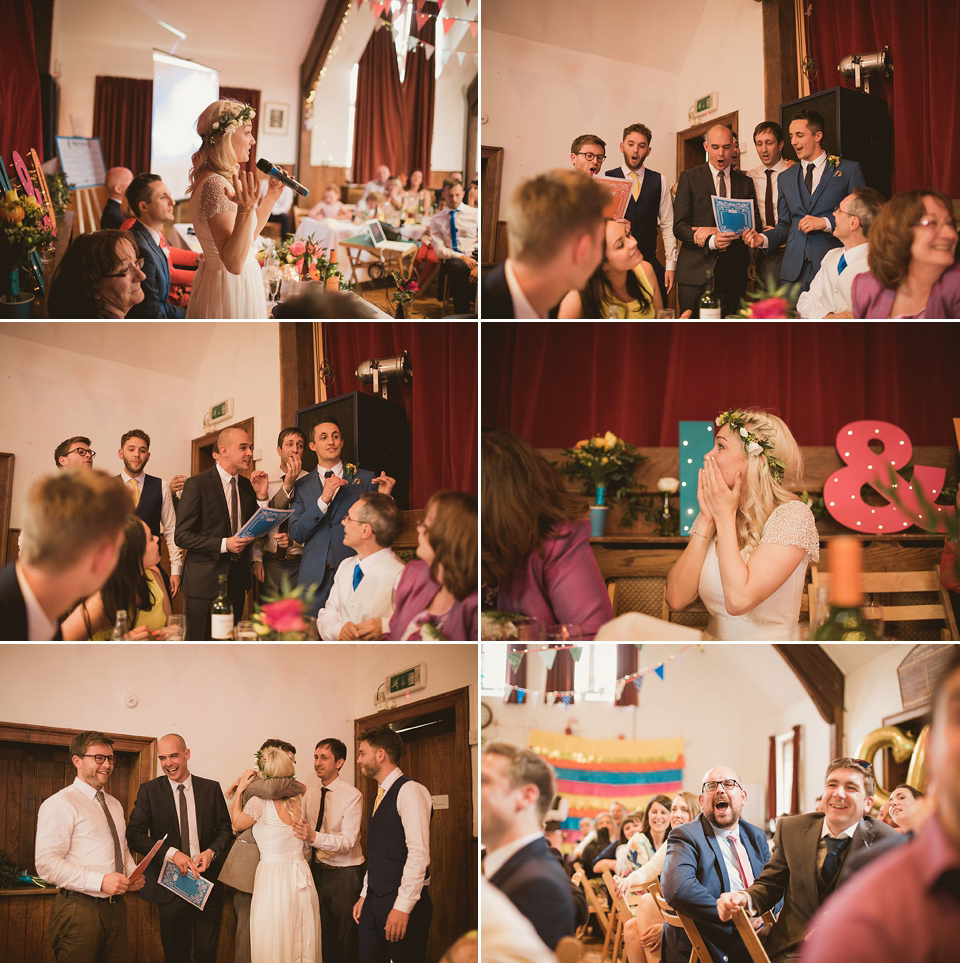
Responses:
[254,808]
[213,197]
[793,524]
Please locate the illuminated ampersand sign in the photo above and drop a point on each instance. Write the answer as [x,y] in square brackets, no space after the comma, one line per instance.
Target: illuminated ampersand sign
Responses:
[880,471]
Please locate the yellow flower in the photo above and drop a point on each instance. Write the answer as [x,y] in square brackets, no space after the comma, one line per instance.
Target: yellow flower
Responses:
[604,460]
[610,439]
[582,444]
[598,441]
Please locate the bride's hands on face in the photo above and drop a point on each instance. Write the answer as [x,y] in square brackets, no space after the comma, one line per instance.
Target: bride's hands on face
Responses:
[245,192]
[714,493]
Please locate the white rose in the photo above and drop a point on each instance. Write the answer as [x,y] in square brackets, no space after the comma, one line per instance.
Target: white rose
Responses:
[717,422]
[754,448]
[216,125]
[668,485]
[610,439]
[744,432]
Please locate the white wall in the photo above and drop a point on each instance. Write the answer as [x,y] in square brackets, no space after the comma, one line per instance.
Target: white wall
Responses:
[225,700]
[872,692]
[48,392]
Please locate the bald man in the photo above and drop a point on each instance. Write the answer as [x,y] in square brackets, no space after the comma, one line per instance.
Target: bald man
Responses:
[117,181]
[192,814]
[213,508]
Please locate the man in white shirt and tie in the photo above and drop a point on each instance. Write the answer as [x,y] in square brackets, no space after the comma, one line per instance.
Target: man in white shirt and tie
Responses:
[768,138]
[360,602]
[81,848]
[332,813]
[830,292]
[454,232]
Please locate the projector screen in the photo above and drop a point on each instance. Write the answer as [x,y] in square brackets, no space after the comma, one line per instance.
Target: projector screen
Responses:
[181,90]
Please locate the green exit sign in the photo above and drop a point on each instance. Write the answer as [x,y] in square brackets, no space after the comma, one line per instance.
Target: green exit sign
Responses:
[218,411]
[409,680]
[703,104]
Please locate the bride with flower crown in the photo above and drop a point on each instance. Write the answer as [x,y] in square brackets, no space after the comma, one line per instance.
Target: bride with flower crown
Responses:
[226,215]
[750,545]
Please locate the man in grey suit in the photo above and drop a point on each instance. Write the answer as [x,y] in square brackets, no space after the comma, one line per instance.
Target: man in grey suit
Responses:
[810,854]
[704,246]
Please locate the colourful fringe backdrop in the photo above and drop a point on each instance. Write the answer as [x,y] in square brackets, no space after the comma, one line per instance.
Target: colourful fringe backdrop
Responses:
[592,773]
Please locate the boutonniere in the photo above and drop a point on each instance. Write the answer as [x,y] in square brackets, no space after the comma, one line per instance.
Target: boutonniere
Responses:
[349,471]
[833,161]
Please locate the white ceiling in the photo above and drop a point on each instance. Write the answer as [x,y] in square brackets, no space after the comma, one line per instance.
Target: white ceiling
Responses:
[648,32]
[174,348]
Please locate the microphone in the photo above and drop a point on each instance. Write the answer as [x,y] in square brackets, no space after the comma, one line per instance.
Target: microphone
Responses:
[281,175]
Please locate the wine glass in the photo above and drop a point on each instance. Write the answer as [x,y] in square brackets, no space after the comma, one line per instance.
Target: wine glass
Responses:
[245,632]
[564,632]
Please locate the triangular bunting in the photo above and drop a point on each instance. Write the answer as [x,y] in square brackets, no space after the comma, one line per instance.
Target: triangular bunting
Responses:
[576,651]
[638,683]
[359,3]
[515,658]
[566,699]
[473,27]
[620,686]
[420,4]
[412,43]
[422,18]
[439,5]
[448,22]
[521,695]
[639,646]
[429,49]
[461,56]
[549,656]
[659,670]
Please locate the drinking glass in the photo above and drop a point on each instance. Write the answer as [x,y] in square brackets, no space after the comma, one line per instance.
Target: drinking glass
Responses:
[176,624]
[245,632]
[666,313]
[564,632]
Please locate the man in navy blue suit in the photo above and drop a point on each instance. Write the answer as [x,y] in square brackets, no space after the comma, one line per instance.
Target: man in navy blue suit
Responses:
[152,205]
[516,788]
[809,194]
[703,861]
[320,502]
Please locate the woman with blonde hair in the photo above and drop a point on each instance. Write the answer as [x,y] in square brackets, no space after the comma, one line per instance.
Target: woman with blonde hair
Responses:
[750,545]
[228,215]
[285,911]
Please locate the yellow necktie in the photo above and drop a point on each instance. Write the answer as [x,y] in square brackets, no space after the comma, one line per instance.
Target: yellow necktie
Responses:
[636,184]
[379,798]
[135,488]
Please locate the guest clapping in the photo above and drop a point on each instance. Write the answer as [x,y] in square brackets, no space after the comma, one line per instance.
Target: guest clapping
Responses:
[912,260]
[437,595]
[99,277]
[536,550]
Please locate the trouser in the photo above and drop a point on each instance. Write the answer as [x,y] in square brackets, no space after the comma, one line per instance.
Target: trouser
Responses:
[372,940]
[241,903]
[179,921]
[88,929]
[338,888]
[275,568]
[461,287]
[768,266]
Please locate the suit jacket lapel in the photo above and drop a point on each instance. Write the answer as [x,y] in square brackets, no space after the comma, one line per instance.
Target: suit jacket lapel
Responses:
[219,496]
[172,813]
[199,798]
[825,178]
[715,846]
[810,846]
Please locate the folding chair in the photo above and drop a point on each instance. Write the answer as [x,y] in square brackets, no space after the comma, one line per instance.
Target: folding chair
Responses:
[568,950]
[673,918]
[749,936]
[595,906]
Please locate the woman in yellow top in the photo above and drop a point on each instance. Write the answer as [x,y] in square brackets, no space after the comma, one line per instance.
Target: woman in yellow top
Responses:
[623,286]
[136,586]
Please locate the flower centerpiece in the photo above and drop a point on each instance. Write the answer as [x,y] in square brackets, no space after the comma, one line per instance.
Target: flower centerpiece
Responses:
[407,290]
[604,464]
[770,301]
[308,259]
[60,192]
[283,613]
[22,230]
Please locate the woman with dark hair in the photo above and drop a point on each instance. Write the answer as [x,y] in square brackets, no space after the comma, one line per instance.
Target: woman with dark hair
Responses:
[622,286]
[907,816]
[912,260]
[98,277]
[136,587]
[536,551]
[436,596]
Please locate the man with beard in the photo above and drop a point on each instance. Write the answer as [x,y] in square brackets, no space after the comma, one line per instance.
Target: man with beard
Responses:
[394,910]
[811,853]
[191,813]
[152,497]
[706,858]
[587,153]
[649,205]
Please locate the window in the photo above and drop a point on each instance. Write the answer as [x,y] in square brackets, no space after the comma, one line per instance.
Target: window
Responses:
[595,675]
[493,668]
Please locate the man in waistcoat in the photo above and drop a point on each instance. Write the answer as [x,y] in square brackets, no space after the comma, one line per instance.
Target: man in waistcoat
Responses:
[394,910]
[649,205]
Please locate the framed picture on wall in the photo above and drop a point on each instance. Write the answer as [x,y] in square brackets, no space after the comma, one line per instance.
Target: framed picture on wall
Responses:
[275,118]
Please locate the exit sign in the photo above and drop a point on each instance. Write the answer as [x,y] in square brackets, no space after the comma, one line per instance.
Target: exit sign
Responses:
[409,680]
[218,411]
[703,104]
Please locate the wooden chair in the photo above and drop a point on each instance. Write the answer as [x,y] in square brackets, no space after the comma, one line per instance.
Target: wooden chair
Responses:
[901,582]
[673,918]
[568,950]
[749,936]
[623,912]
[595,906]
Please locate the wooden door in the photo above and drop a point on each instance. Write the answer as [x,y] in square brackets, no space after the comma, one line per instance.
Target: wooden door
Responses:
[436,737]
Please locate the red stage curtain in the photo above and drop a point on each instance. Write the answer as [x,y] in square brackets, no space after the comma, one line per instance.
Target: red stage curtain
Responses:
[419,87]
[924,92]
[122,119]
[20,118]
[627,663]
[555,383]
[251,97]
[441,401]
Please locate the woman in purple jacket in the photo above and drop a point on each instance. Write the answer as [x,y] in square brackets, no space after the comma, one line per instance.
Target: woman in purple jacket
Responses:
[436,596]
[536,544]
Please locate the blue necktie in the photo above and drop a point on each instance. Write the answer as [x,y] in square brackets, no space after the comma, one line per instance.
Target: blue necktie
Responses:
[357,576]
[841,264]
[453,231]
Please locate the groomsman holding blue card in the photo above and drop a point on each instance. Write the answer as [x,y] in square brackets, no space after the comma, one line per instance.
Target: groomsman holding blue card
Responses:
[191,812]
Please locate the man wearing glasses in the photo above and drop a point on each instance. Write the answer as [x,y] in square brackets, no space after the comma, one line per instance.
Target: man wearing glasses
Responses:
[650,204]
[811,852]
[74,451]
[587,153]
[81,848]
[712,855]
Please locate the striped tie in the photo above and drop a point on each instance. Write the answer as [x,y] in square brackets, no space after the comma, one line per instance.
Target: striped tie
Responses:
[117,853]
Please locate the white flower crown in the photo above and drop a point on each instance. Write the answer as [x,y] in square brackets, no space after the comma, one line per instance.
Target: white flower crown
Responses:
[752,443]
[228,122]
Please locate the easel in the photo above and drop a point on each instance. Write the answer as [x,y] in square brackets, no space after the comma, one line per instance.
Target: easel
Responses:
[88,207]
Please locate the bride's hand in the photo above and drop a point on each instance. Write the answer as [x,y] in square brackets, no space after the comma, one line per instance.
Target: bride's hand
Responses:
[705,512]
[245,192]
[275,187]
[720,499]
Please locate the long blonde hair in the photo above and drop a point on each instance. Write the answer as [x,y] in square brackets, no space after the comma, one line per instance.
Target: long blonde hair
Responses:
[761,493]
[277,764]
[216,153]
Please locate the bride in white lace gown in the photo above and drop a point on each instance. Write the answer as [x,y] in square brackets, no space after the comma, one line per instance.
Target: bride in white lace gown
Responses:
[227,215]
[285,911]
[752,541]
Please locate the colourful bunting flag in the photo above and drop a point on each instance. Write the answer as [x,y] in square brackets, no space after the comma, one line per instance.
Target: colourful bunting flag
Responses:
[638,683]
[473,27]
[515,658]
[429,48]
[576,652]
[566,699]
[521,695]
[659,670]
[448,22]
[422,18]
[461,56]
[549,656]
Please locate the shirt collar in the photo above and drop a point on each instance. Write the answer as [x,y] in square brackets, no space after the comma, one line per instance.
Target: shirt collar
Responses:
[39,624]
[225,476]
[187,784]
[522,308]
[86,789]
[494,860]
[390,780]
[817,164]
[714,172]
[367,563]
[849,831]
[139,479]
[337,470]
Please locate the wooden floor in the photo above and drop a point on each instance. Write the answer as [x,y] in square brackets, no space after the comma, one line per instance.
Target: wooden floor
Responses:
[425,306]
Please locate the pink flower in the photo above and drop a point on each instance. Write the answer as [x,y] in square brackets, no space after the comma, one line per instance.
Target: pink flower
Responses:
[770,308]
[285,615]
[297,248]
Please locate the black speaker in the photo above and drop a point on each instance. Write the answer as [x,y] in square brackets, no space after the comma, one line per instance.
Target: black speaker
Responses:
[49,105]
[856,127]
[375,436]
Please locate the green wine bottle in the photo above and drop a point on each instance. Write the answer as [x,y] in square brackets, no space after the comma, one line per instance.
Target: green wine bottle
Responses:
[709,302]
[844,620]
[221,612]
